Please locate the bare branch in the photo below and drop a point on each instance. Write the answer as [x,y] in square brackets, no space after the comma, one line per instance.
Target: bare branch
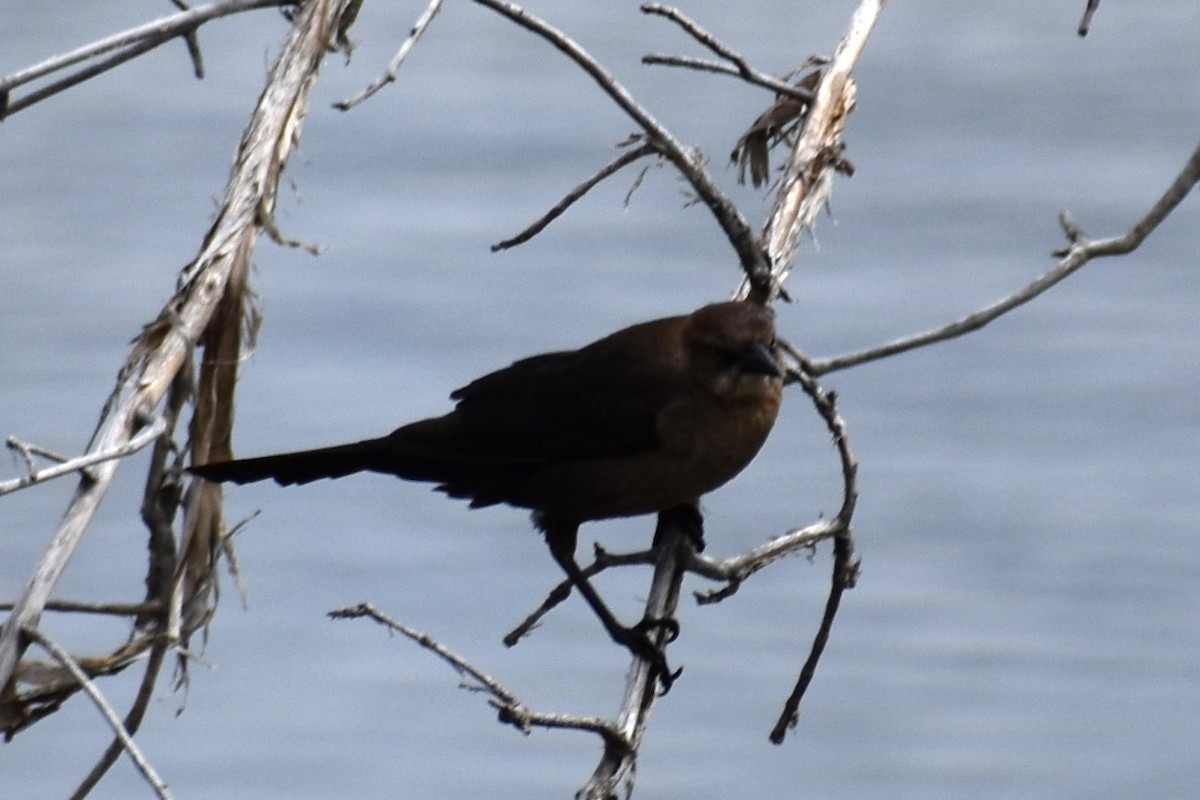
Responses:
[750,254]
[696,32]
[612,167]
[754,76]
[393,67]
[80,464]
[845,575]
[129,44]
[845,562]
[193,44]
[1085,23]
[133,720]
[671,544]
[603,560]
[1079,252]
[736,569]
[111,609]
[738,65]
[510,709]
[808,177]
[28,451]
[135,754]
[166,344]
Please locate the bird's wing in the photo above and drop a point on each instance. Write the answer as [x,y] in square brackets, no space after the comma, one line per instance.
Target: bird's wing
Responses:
[601,401]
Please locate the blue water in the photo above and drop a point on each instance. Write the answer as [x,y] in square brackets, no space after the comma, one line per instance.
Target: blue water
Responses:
[1025,626]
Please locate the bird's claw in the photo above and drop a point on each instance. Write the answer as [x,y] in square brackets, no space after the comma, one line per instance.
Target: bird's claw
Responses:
[668,625]
[637,640]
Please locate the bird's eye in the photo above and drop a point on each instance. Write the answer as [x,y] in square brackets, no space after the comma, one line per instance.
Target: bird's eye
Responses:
[720,354]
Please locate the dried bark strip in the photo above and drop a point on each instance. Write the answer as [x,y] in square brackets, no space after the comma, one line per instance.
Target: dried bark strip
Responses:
[164,346]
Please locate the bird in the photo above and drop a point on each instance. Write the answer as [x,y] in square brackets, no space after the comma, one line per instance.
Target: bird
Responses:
[645,420]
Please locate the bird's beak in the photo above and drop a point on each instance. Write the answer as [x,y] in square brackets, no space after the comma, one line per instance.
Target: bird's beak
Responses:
[757,359]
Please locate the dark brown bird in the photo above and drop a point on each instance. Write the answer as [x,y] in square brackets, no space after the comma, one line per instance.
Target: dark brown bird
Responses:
[645,420]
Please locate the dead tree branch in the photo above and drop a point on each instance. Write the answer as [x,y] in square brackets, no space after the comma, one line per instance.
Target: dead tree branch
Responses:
[214,282]
[624,159]
[1079,252]
[124,46]
[671,543]
[393,67]
[1085,23]
[807,179]
[511,710]
[687,161]
[106,710]
[144,437]
[845,559]
[737,66]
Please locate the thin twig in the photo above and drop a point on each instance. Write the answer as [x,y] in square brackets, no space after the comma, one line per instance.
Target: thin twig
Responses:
[845,563]
[845,574]
[740,66]
[28,451]
[96,68]
[624,159]
[111,609]
[510,709]
[1079,252]
[135,754]
[133,720]
[736,569]
[696,32]
[80,464]
[129,44]
[807,179]
[750,254]
[393,66]
[754,76]
[672,542]
[1085,24]
[165,345]
[603,560]
[193,44]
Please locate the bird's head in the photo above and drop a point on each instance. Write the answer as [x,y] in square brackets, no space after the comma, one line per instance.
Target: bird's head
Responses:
[730,351]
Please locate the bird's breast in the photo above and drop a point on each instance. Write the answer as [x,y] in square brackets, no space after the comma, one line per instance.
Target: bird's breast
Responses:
[703,443]
[715,438]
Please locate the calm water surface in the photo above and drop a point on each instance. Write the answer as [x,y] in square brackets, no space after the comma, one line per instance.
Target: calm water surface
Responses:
[1026,623]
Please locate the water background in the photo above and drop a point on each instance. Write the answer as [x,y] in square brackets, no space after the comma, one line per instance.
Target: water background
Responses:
[1026,625]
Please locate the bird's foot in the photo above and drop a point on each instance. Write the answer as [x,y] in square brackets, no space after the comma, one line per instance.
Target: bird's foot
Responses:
[637,639]
[669,626]
[686,518]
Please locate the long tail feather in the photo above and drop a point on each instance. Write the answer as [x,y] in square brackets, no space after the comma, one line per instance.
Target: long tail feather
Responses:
[305,466]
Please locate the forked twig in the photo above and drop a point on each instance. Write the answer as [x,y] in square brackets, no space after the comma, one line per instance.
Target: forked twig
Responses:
[623,160]
[106,710]
[80,464]
[603,560]
[1079,252]
[165,345]
[845,562]
[125,46]
[394,65]
[750,254]
[511,710]
[738,66]
[1085,24]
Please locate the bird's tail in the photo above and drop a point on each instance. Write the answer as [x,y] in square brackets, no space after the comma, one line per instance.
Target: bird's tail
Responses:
[304,466]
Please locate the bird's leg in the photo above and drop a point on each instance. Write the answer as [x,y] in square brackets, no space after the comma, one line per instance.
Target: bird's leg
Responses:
[561,538]
[686,518]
